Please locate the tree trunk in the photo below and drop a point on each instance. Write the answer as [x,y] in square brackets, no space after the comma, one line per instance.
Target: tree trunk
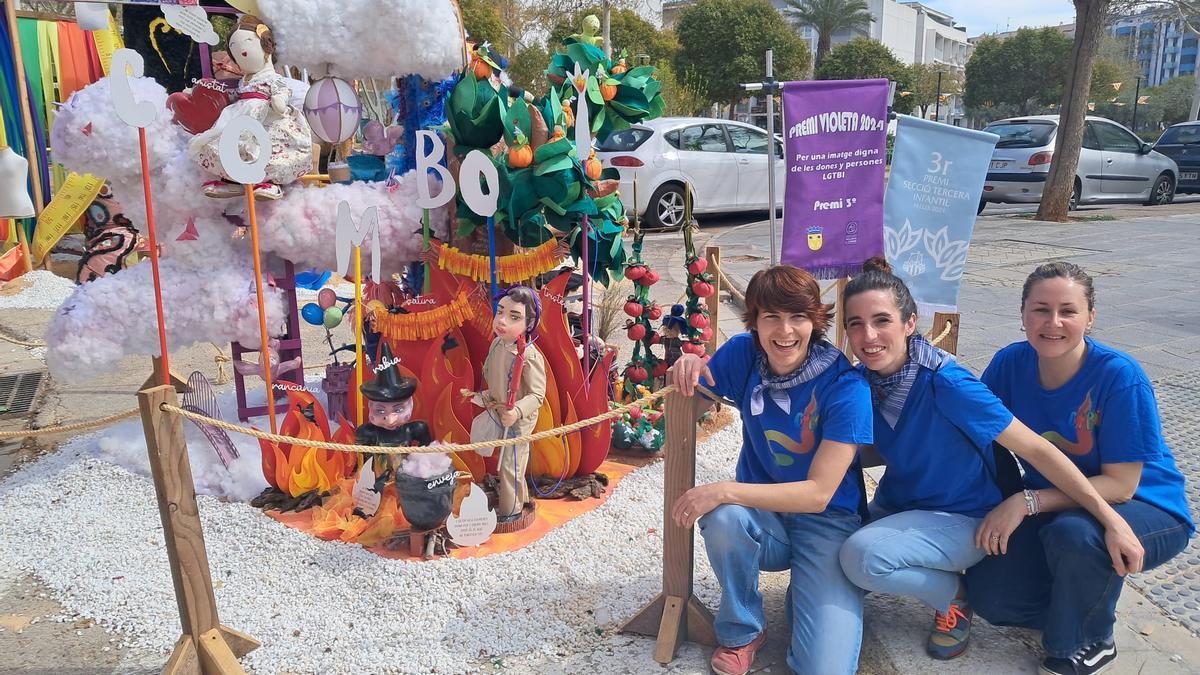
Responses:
[607,22]
[1090,18]
[823,49]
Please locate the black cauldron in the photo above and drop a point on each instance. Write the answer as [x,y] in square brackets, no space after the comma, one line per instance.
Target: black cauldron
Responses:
[426,502]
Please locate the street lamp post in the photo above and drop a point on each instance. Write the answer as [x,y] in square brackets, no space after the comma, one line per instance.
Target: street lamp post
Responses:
[770,87]
[1136,97]
[937,101]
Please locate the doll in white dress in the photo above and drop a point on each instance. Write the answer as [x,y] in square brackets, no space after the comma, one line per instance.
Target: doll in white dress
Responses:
[263,95]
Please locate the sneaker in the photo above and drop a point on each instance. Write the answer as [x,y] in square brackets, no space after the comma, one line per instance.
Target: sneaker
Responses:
[1091,659]
[219,189]
[736,660]
[268,191]
[951,632]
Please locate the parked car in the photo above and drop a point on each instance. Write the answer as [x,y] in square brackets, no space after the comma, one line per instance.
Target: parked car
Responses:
[724,161]
[1114,165]
[1181,142]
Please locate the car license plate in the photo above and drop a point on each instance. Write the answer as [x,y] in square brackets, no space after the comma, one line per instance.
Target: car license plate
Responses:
[1187,175]
[999,165]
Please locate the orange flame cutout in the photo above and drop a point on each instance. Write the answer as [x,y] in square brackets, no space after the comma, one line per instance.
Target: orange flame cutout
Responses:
[297,469]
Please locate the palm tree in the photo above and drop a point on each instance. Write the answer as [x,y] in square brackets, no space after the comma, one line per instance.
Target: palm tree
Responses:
[828,17]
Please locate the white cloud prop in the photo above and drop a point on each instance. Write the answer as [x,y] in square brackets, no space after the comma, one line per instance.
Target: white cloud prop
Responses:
[208,282]
[301,226]
[114,316]
[366,38]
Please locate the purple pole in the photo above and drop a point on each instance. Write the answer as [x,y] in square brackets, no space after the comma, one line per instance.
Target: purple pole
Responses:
[587,306]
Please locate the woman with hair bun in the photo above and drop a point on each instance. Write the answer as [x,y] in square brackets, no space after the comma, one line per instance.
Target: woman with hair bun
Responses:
[934,425]
[796,493]
[1048,566]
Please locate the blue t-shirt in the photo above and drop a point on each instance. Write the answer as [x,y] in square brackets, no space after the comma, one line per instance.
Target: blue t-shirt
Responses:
[778,447]
[1105,414]
[939,456]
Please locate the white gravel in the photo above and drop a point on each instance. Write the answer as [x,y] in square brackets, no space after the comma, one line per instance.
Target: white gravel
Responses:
[45,290]
[90,530]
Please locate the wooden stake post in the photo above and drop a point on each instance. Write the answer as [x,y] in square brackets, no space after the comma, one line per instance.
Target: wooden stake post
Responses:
[206,647]
[676,614]
[713,254]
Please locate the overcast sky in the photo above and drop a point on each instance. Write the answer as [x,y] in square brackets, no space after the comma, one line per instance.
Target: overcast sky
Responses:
[990,16]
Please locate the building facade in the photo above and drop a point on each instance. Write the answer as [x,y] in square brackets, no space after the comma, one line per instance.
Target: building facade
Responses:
[1161,44]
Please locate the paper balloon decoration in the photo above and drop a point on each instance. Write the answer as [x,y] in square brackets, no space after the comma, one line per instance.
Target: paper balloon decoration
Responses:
[313,314]
[332,109]
[332,317]
[326,298]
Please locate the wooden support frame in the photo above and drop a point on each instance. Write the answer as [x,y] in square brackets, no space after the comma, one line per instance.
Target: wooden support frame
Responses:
[206,647]
[940,320]
[713,255]
[676,614]
[156,377]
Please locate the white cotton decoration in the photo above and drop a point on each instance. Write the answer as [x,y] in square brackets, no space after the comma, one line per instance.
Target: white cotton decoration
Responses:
[208,277]
[367,38]
[332,109]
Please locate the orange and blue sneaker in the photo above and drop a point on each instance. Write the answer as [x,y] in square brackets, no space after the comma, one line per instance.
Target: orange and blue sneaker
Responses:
[736,660]
[951,632]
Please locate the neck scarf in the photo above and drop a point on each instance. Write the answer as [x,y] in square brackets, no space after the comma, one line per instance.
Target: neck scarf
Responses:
[820,356]
[890,392]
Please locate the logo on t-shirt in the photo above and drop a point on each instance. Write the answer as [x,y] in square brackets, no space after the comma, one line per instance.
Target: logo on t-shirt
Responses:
[807,422]
[1085,420]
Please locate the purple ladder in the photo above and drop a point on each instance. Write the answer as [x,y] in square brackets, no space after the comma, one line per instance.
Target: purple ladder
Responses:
[289,348]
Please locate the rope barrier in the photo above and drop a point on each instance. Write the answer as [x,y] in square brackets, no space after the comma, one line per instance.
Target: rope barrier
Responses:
[21,342]
[447,447]
[342,447]
[77,426]
[727,285]
[942,336]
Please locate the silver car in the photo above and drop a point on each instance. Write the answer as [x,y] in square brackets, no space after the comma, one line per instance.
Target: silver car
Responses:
[1114,165]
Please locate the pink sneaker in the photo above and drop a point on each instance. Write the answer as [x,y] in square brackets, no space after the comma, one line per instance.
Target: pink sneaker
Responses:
[736,660]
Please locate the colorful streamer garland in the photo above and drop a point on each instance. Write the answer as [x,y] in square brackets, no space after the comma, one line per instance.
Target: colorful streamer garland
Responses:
[510,268]
[430,323]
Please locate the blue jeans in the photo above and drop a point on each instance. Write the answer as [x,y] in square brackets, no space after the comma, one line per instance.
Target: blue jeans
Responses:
[1057,576]
[916,553]
[824,608]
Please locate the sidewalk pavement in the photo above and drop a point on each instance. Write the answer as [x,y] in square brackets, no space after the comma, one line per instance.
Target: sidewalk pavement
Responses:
[1143,261]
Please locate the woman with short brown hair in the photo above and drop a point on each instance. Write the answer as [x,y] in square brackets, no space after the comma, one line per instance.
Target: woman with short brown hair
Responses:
[796,492]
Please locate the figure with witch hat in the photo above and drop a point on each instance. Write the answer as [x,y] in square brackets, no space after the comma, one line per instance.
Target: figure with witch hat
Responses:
[389,409]
[515,381]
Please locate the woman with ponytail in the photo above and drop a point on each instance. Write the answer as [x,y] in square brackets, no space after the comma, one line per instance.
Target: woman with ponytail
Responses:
[934,425]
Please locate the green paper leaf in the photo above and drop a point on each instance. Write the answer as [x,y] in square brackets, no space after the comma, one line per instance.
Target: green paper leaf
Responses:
[559,163]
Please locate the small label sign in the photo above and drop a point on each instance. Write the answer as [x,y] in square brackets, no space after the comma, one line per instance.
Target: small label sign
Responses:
[475,522]
[364,494]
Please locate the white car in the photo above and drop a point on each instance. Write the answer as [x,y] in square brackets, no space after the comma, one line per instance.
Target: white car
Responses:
[724,161]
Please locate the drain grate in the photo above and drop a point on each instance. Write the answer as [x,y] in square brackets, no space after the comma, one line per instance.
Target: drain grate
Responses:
[18,392]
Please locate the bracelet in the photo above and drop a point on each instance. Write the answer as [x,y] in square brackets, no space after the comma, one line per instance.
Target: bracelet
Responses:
[1033,505]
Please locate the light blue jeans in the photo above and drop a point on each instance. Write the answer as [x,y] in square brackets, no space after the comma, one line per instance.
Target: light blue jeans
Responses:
[824,608]
[915,553]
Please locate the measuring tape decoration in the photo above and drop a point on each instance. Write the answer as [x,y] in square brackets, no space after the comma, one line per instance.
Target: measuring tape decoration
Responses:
[72,199]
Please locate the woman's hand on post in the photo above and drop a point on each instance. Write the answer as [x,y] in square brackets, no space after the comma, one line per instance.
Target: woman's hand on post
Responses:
[687,371]
[1124,548]
[696,502]
[993,533]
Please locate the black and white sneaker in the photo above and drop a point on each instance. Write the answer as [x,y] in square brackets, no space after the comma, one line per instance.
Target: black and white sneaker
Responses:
[1094,658]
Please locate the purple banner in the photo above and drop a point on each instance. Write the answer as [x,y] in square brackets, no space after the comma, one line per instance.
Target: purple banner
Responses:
[836,143]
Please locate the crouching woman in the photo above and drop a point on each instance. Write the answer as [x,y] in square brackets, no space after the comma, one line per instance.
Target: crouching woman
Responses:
[796,491]
[1049,565]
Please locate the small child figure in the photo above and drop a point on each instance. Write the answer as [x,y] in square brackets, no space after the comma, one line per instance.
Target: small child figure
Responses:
[389,409]
[672,327]
[515,377]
